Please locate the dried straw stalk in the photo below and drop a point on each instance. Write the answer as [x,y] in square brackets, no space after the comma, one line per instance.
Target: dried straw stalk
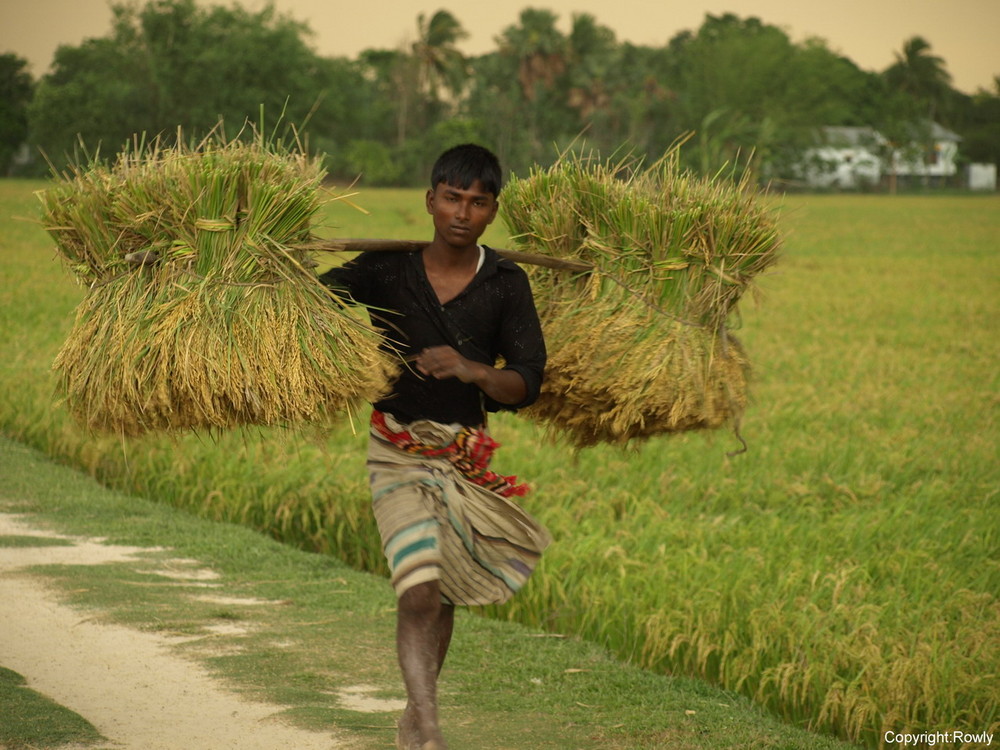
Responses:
[231,327]
[639,346]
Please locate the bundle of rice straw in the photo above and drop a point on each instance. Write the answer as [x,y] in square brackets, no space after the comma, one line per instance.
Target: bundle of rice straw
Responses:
[221,322]
[639,345]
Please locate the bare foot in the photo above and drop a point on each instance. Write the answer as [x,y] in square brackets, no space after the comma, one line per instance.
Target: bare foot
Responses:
[407,734]
[436,742]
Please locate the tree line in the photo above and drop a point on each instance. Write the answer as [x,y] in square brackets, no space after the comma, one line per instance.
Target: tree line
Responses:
[739,90]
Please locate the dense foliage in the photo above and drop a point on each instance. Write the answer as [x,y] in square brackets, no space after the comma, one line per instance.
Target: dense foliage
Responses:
[16,89]
[747,92]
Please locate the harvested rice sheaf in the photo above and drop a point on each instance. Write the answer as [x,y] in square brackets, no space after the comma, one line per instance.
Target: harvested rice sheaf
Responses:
[225,325]
[639,346]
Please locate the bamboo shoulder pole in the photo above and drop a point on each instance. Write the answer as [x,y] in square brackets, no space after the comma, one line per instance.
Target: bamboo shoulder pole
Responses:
[149,257]
[364,246]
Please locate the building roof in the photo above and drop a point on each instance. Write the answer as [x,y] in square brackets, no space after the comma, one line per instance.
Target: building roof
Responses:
[940,133]
[843,136]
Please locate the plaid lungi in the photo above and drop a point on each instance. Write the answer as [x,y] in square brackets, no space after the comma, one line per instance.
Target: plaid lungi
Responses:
[443,515]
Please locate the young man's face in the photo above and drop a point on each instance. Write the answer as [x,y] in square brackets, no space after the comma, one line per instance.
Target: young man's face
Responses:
[461,216]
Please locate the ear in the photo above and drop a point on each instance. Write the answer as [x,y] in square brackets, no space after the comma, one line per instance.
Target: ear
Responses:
[429,201]
[493,214]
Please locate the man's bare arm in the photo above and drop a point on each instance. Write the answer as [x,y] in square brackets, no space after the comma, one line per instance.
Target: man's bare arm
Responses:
[504,386]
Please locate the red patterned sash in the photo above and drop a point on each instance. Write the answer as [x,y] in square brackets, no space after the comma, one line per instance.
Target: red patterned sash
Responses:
[470,453]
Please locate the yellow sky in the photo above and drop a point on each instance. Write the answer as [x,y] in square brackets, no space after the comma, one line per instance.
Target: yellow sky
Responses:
[966,33]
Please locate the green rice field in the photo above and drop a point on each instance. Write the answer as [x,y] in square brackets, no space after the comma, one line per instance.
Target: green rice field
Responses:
[844,572]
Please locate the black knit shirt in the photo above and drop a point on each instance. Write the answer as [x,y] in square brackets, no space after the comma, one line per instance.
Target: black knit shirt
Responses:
[493,317]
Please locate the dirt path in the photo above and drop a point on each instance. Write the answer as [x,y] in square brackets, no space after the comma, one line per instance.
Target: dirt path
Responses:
[127,683]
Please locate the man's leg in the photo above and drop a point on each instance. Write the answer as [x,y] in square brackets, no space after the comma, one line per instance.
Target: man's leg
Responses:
[423,634]
[446,625]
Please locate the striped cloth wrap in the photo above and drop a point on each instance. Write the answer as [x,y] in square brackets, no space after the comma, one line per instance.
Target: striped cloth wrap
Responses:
[444,515]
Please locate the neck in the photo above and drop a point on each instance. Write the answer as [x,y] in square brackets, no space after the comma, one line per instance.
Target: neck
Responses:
[442,254]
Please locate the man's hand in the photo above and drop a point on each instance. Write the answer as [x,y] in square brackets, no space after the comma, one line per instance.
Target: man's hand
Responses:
[440,362]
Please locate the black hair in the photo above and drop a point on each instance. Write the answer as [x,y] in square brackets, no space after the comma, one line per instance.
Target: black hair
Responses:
[462,165]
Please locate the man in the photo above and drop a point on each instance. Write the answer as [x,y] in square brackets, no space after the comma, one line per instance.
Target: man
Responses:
[450,532]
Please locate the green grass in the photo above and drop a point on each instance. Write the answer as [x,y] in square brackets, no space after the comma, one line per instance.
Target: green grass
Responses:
[30,720]
[328,627]
[842,574]
[14,540]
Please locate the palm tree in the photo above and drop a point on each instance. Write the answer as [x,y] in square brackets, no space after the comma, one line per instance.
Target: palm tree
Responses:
[920,85]
[591,53]
[920,75]
[439,62]
[539,47]
[431,63]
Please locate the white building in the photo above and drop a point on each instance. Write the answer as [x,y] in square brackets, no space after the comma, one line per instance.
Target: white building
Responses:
[853,158]
[846,158]
[981,177]
[930,157]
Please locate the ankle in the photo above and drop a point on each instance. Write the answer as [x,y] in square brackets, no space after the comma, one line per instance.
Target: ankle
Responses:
[407,733]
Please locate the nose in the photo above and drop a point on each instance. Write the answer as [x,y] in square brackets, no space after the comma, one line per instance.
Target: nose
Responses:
[462,210]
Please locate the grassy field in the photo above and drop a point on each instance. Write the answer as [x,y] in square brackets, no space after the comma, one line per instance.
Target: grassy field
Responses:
[301,631]
[843,573]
